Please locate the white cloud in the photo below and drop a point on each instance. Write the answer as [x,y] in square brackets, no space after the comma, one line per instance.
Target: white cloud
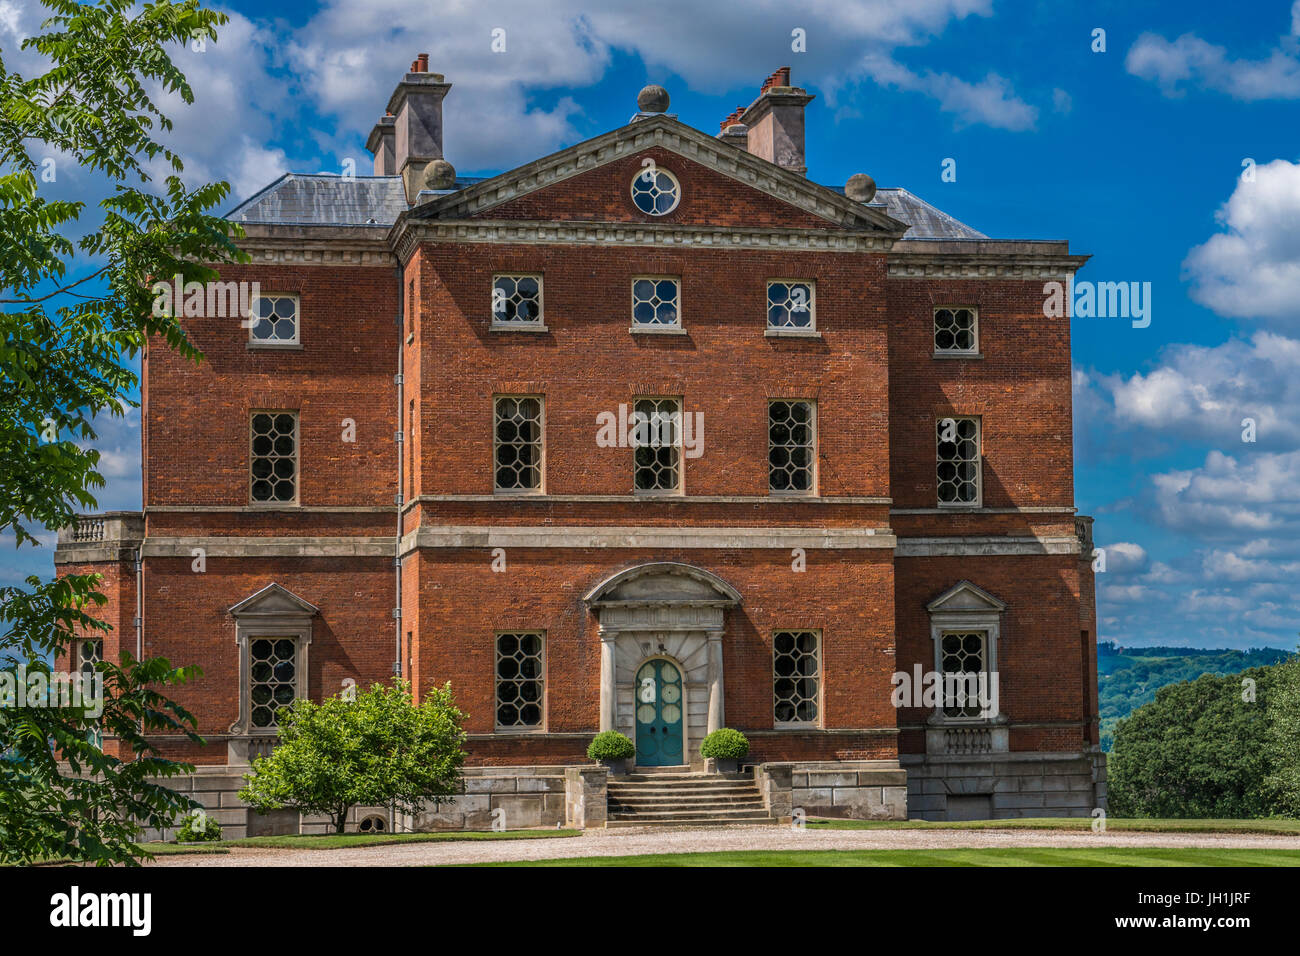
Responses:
[1252,269]
[990,101]
[1191,61]
[1122,556]
[1227,498]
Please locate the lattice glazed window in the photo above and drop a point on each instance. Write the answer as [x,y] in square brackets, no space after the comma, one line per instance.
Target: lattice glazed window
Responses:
[517,300]
[955,330]
[656,302]
[962,653]
[657,436]
[520,680]
[791,443]
[273,678]
[655,191]
[274,459]
[959,461]
[797,676]
[275,321]
[518,444]
[89,653]
[790,305]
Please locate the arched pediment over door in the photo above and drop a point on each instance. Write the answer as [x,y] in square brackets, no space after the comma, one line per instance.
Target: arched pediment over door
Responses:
[662,609]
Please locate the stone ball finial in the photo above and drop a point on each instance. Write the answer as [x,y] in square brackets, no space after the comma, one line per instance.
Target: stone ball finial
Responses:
[440,174]
[860,188]
[652,99]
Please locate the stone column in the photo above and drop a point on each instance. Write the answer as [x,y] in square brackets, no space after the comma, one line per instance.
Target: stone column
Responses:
[717,716]
[608,690]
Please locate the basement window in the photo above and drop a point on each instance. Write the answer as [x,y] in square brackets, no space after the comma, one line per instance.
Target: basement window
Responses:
[520,680]
[656,191]
[958,441]
[517,301]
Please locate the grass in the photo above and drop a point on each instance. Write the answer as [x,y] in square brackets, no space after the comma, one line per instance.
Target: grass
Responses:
[340,841]
[1137,825]
[1025,856]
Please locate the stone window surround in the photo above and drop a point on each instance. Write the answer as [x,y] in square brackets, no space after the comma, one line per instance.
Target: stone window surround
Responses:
[797,725]
[679,490]
[966,607]
[253,503]
[276,613]
[655,327]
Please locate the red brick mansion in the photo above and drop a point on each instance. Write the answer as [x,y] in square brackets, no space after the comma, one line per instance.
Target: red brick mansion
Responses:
[652,434]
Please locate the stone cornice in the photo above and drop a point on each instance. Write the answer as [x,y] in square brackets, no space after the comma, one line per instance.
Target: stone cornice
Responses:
[317,245]
[634,234]
[982,259]
[477,536]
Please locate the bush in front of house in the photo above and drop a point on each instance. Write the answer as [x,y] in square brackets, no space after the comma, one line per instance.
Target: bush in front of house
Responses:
[198,827]
[610,745]
[725,744]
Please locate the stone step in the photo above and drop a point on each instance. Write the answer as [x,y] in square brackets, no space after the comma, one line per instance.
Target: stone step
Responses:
[704,800]
[692,822]
[672,816]
[684,785]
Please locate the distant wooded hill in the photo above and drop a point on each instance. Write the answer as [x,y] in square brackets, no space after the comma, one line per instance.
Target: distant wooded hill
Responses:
[1128,677]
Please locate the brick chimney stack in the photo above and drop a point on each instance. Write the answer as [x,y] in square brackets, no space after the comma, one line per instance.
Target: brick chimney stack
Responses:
[409,138]
[774,123]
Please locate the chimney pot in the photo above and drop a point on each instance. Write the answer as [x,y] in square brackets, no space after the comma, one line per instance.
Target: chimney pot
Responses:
[423,61]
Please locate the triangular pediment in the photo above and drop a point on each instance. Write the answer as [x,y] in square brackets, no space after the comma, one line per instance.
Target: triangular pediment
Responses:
[965,596]
[273,600]
[805,199]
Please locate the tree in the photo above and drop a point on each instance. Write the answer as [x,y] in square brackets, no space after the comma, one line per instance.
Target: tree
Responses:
[1200,749]
[66,348]
[1283,783]
[380,749]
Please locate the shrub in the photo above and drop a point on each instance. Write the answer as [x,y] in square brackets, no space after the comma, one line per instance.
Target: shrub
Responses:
[725,744]
[373,749]
[610,745]
[198,827]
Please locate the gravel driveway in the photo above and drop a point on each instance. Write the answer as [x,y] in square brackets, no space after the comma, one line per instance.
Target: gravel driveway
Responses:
[638,841]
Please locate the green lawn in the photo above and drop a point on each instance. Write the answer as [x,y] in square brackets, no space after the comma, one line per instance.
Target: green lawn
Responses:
[339,841]
[1026,856]
[1274,826]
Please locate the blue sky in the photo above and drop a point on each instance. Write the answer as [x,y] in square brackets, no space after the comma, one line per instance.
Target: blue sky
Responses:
[1134,154]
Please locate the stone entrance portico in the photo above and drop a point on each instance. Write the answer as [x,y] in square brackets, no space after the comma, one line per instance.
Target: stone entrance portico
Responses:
[663,610]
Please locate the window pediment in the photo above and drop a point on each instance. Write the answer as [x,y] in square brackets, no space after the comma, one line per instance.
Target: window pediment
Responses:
[273,601]
[965,598]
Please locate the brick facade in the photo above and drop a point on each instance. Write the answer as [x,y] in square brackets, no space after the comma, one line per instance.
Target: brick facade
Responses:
[414,298]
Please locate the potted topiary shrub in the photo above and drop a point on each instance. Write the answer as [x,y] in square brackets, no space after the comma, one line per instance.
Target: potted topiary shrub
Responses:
[612,749]
[726,748]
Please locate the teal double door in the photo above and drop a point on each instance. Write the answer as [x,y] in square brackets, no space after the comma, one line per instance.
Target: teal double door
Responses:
[660,706]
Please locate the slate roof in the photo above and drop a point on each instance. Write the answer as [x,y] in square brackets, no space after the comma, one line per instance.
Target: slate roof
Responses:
[330,200]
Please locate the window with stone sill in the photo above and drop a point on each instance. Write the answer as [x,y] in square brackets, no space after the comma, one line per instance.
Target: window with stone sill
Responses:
[656,303]
[958,452]
[517,444]
[796,685]
[956,330]
[517,300]
[273,679]
[791,447]
[275,321]
[657,441]
[520,680]
[273,459]
[791,305]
